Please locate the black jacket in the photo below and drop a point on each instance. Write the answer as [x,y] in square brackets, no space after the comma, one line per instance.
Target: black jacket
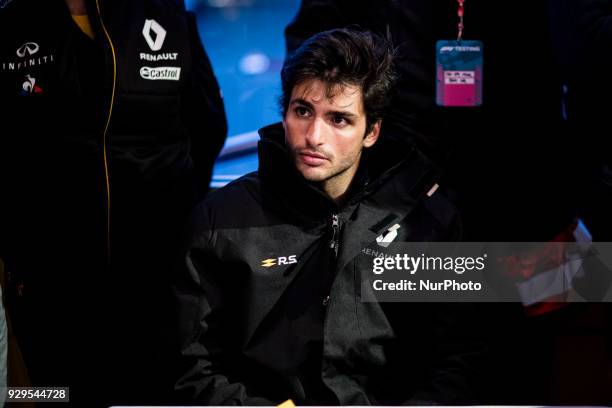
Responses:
[373,353]
[105,145]
[81,121]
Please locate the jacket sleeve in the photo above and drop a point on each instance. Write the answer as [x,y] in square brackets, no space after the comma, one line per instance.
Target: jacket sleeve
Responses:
[200,304]
[203,111]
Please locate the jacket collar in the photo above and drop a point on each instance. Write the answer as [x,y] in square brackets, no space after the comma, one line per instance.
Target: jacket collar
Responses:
[395,175]
[282,181]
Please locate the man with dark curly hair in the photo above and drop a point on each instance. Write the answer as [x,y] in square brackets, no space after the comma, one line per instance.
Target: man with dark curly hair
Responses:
[269,296]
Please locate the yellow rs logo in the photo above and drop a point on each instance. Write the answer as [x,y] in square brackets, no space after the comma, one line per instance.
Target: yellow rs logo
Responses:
[266,263]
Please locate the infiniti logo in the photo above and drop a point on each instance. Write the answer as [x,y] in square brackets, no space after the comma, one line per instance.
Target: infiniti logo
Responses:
[29,55]
[29,48]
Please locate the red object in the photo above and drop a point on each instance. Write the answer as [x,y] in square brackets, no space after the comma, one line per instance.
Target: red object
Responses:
[524,267]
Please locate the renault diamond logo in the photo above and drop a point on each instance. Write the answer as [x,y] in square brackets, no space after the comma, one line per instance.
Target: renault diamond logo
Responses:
[29,48]
[152,26]
[388,236]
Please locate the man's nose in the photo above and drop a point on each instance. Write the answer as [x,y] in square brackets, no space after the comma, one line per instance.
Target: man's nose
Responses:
[316,132]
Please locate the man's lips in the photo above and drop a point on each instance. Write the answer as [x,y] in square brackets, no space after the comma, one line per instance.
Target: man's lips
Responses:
[312,159]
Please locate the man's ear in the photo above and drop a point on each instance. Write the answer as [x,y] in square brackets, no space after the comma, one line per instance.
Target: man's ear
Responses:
[284,128]
[372,137]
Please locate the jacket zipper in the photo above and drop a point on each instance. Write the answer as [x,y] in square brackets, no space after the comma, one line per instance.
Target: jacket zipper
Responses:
[335,241]
[105,132]
[334,244]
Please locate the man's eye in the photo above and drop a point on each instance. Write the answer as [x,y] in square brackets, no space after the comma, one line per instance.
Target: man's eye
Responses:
[301,111]
[339,120]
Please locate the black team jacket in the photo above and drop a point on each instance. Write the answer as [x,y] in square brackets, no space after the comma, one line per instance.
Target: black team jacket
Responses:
[105,146]
[269,297]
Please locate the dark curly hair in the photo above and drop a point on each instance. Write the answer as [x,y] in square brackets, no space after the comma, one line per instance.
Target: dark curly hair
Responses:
[345,56]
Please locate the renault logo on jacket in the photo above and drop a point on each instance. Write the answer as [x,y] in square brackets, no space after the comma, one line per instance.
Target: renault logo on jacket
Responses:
[388,236]
[153,27]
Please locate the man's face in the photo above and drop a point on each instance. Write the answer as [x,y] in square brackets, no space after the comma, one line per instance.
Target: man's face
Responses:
[326,133]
